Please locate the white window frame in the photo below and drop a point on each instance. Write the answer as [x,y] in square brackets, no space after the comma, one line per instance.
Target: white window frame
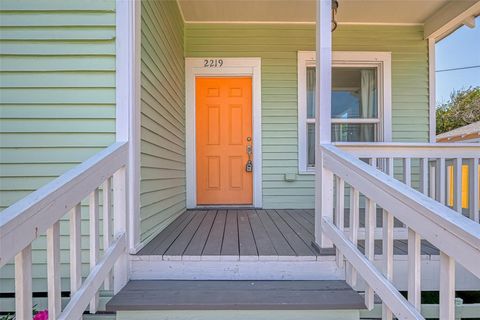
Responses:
[382,61]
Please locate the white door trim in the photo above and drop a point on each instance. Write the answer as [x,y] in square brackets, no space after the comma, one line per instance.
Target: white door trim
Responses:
[233,67]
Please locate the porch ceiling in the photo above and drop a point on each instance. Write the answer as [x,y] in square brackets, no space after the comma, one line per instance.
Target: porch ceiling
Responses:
[350,11]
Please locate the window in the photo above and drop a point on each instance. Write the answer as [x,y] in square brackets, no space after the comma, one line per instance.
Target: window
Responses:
[360,100]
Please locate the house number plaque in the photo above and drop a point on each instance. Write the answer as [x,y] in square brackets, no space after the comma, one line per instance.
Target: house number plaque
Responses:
[212,63]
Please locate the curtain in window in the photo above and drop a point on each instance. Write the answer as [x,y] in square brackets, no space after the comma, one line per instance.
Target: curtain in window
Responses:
[368,99]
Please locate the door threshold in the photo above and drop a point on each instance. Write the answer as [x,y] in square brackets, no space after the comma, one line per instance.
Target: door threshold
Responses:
[224,206]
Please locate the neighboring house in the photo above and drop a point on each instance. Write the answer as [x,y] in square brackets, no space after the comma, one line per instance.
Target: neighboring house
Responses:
[468,133]
[215,140]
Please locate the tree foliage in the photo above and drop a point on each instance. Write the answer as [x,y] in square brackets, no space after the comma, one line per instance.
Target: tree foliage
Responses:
[463,108]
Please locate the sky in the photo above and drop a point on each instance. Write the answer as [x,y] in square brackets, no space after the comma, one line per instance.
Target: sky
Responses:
[460,49]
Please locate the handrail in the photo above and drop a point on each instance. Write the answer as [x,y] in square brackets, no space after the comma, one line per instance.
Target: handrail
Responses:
[410,149]
[413,208]
[22,222]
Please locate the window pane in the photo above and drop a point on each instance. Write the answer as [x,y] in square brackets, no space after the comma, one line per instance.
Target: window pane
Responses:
[364,132]
[354,93]
[310,92]
[310,144]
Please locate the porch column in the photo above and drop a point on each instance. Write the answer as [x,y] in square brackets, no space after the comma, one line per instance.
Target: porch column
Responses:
[323,178]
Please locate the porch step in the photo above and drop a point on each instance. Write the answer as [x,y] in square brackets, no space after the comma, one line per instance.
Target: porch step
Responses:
[174,299]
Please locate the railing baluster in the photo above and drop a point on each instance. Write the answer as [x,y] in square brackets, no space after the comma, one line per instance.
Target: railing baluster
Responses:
[390,170]
[373,162]
[433,193]
[370,226]
[407,171]
[120,271]
[387,245]
[441,187]
[23,283]
[75,249]
[340,214]
[475,192]
[53,271]
[414,271]
[353,231]
[424,175]
[457,189]
[107,225]
[447,287]
[94,241]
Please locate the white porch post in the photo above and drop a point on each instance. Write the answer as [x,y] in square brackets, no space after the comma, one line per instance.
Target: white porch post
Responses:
[126,195]
[128,106]
[323,178]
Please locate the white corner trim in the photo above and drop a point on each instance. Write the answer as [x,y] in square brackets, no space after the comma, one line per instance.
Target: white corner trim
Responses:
[127,94]
[380,60]
[232,67]
[432,115]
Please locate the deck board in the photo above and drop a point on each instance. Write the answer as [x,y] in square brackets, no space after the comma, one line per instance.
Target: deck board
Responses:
[298,228]
[248,234]
[213,247]
[306,222]
[164,245]
[195,247]
[247,245]
[183,240]
[230,239]
[279,242]
[263,242]
[295,241]
[242,295]
[151,247]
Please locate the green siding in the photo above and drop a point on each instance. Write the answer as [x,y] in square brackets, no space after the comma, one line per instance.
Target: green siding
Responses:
[57,103]
[162,194]
[277,45]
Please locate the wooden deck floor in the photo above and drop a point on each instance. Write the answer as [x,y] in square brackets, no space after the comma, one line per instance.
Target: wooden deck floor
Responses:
[246,233]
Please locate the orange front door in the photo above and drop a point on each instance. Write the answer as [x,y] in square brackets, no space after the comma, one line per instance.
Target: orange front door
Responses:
[224,132]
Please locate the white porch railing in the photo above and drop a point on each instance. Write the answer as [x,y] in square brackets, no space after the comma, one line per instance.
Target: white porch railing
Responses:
[457,237]
[40,213]
[446,172]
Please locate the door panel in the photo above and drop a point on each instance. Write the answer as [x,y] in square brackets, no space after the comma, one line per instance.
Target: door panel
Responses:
[223,124]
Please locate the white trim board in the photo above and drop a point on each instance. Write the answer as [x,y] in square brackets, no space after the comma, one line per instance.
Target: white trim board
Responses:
[231,67]
[432,112]
[128,105]
[154,268]
[312,23]
[380,60]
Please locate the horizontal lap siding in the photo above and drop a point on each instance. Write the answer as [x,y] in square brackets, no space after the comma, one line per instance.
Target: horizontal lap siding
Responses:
[57,103]
[162,194]
[277,45]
